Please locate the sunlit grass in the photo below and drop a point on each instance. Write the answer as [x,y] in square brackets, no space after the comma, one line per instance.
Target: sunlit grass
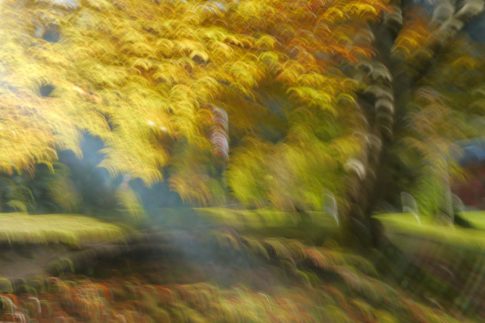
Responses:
[477,218]
[56,228]
[405,223]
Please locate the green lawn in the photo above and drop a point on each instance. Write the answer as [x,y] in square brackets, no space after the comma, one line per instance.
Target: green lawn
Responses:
[56,228]
[406,224]
[477,218]
[77,229]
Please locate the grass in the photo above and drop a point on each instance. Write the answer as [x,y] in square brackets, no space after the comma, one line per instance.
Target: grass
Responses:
[261,218]
[314,226]
[76,229]
[405,223]
[56,228]
[477,218]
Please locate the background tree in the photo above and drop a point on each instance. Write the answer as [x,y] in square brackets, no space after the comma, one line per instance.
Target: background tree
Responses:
[440,105]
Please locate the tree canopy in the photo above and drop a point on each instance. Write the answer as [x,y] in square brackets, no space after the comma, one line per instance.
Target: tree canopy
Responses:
[155,80]
[278,102]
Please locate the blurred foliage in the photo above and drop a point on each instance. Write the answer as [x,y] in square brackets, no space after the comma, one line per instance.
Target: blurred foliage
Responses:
[170,84]
[446,106]
[287,107]
[325,285]
[244,110]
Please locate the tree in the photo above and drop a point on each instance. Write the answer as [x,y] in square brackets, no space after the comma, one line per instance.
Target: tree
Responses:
[150,79]
[427,101]
[276,102]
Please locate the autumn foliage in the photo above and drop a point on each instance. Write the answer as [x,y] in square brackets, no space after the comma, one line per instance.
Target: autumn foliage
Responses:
[148,77]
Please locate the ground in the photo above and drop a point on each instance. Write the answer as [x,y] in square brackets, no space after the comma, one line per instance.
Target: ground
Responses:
[228,266]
